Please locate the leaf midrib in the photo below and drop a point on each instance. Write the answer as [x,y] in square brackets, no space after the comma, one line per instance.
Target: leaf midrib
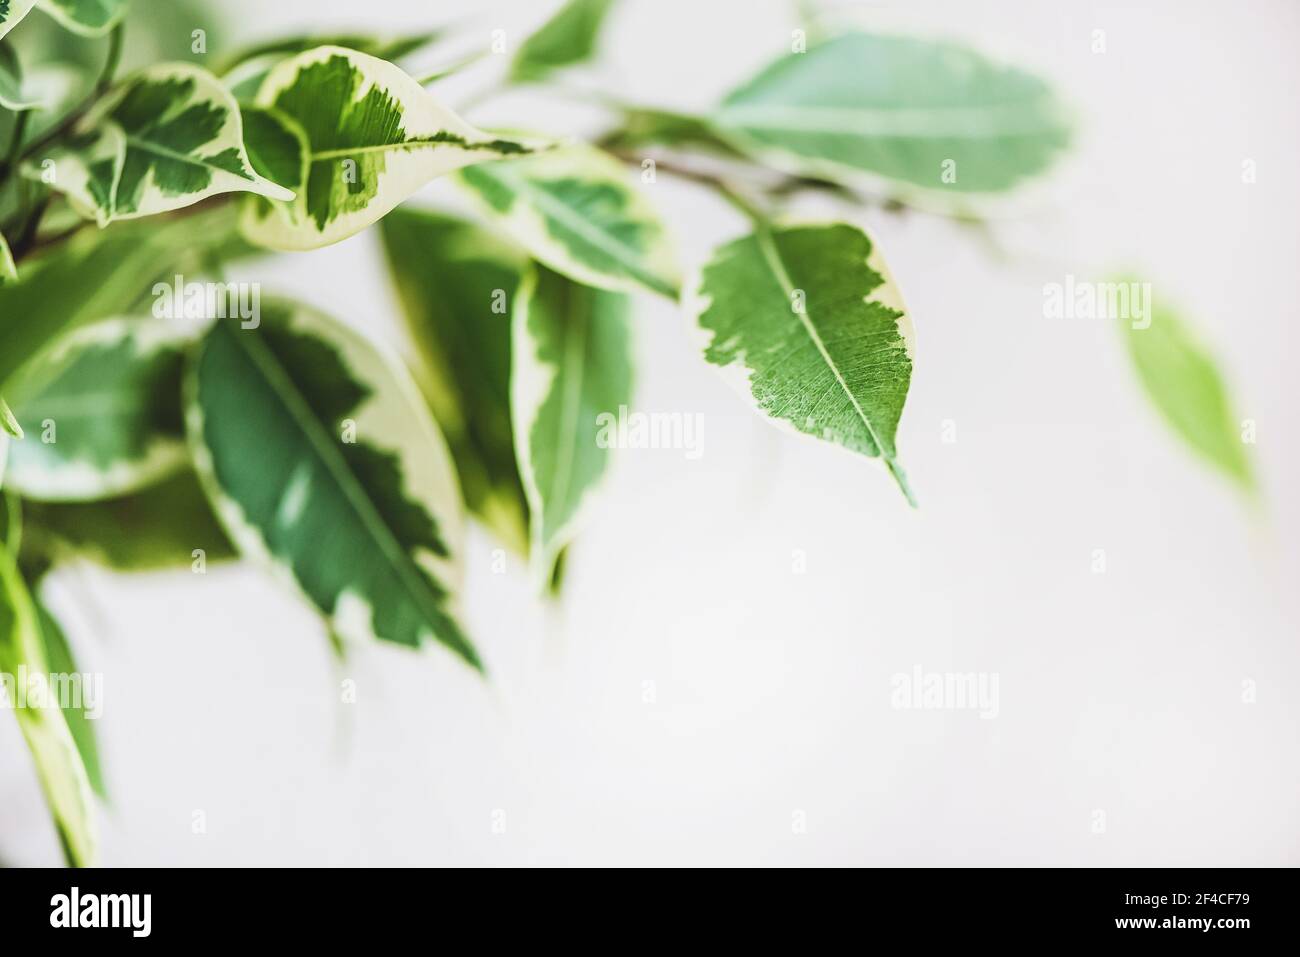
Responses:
[944,123]
[624,254]
[772,256]
[282,384]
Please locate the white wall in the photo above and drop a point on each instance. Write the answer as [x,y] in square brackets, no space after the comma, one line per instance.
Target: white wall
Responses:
[1120,692]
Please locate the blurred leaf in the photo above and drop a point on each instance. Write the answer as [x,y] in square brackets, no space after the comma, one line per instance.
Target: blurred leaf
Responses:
[385,48]
[8,422]
[96,275]
[156,528]
[572,362]
[8,271]
[367,151]
[1181,379]
[321,458]
[88,17]
[574,210]
[808,324]
[917,112]
[58,655]
[12,11]
[58,763]
[567,38]
[12,94]
[455,282]
[104,407]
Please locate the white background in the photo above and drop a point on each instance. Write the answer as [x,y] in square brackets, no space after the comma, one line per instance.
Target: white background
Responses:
[1119,692]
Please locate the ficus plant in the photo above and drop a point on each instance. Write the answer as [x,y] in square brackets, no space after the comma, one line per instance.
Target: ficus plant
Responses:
[158,416]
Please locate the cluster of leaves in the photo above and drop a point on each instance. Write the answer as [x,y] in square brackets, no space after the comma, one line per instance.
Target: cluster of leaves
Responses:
[285,437]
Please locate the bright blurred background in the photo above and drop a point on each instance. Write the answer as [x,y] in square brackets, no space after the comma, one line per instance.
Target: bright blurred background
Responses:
[692,694]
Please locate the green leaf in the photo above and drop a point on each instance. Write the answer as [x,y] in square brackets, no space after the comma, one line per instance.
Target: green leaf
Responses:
[12,95]
[1180,377]
[383,47]
[8,270]
[86,168]
[277,147]
[574,210]
[11,11]
[58,763]
[59,657]
[87,17]
[183,141]
[374,136]
[904,109]
[8,422]
[104,409]
[97,275]
[808,324]
[567,38]
[572,363]
[455,282]
[158,527]
[320,457]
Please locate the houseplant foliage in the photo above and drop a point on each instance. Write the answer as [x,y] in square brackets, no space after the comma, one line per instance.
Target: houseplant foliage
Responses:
[144,441]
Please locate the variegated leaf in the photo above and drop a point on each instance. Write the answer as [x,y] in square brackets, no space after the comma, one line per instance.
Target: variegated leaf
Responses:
[12,11]
[320,456]
[571,363]
[569,37]
[184,141]
[374,137]
[96,275]
[811,329]
[60,659]
[103,407]
[86,167]
[923,115]
[575,210]
[455,281]
[58,763]
[87,17]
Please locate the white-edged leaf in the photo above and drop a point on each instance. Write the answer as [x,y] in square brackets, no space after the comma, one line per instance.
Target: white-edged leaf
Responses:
[88,17]
[58,763]
[374,137]
[927,115]
[808,324]
[103,407]
[575,210]
[571,366]
[569,37]
[320,457]
[12,11]
[86,167]
[455,281]
[184,141]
